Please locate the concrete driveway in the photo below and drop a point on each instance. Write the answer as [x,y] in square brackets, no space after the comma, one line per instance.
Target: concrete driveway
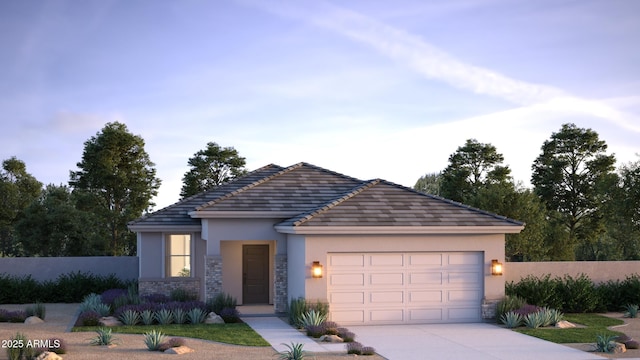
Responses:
[460,341]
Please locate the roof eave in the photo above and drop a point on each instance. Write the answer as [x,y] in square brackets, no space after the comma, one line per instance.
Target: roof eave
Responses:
[208,214]
[164,228]
[398,230]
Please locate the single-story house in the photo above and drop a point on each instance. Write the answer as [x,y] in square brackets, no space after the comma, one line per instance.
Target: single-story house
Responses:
[377,252]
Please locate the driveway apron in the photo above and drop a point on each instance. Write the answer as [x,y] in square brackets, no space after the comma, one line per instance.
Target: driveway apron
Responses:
[477,341]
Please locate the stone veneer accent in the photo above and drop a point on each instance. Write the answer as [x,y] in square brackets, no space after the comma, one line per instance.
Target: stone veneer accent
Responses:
[280,284]
[489,308]
[212,276]
[165,286]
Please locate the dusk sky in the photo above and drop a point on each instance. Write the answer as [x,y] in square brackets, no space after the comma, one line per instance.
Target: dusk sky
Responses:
[371,89]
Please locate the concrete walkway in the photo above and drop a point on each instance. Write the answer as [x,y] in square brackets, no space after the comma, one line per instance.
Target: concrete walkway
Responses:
[438,341]
[278,333]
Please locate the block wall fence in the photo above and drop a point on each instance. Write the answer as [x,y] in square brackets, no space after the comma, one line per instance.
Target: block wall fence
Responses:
[49,268]
[597,271]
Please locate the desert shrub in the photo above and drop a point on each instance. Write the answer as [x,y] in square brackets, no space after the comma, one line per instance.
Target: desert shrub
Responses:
[109,296]
[320,307]
[533,320]
[181,294]
[511,319]
[147,316]
[4,315]
[297,308]
[154,340]
[156,298]
[368,350]
[295,351]
[347,336]
[196,315]
[179,316]
[330,328]
[630,290]
[103,336]
[631,311]
[577,295]
[221,301]
[230,315]
[164,316]
[88,318]
[19,352]
[38,309]
[130,317]
[313,317]
[527,309]
[605,343]
[16,316]
[632,344]
[354,348]
[508,304]
[314,330]
[536,291]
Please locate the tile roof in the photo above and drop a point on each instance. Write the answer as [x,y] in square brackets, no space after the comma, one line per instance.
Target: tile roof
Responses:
[304,195]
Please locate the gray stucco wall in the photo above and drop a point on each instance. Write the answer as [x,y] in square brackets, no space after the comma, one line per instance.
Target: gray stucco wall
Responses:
[49,268]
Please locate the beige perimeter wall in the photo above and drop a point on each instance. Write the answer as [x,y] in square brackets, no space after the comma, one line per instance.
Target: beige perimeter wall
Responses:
[598,271]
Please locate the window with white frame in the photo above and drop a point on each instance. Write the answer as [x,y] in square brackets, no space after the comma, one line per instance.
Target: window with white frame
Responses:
[177,252]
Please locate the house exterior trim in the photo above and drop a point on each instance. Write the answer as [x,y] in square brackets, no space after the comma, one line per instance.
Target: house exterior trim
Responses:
[205,214]
[399,230]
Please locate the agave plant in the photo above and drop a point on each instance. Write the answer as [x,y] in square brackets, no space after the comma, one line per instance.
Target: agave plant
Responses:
[129,317]
[533,320]
[631,311]
[293,352]
[605,343]
[179,316]
[147,317]
[556,316]
[153,339]
[511,319]
[313,318]
[90,302]
[196,315]
[103,337]
[164,316]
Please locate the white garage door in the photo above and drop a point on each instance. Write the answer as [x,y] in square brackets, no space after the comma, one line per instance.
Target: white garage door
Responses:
[404,288]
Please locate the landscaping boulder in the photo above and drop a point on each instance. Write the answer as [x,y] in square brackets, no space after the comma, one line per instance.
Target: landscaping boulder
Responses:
[179,350]
[331,338]
[213,318]
[631,344]
[48,355]
[109,321]
[619,348]
[33,320]
[565,324]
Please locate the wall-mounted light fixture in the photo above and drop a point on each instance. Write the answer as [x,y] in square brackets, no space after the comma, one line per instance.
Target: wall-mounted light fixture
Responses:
[496,267]
[316,270]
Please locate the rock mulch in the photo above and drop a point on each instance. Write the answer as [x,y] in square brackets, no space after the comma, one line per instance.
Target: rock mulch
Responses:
[631,329]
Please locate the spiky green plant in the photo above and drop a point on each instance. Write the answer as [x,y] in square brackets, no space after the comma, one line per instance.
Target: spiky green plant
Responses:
[153,339]
[38,309]
[295,351]
[130,317]
[556,316]
[18,348]
[196,315]
[90,302]
[164,316]
[509,303]
[533,320]
[631,311]
[605,343]
[313,318]
[103,337]
[147,317]
[179,316]
[511,319]
[297,308]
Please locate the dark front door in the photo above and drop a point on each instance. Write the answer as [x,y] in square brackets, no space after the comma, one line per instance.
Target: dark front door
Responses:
[255,274]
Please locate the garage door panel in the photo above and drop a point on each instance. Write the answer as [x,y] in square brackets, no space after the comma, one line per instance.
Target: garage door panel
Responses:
[347,298]
[387,279]
[433,296]
[392,316]
[464,259]
[402,288]
[464,295]
[346,279]
[425,315]
[386,260]
[463,277]
[353,316]
[425,259]
[387,297]
[430,278]
[347,260]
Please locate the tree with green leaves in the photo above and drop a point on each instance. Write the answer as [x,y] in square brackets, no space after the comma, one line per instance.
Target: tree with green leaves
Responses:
[53,226]
[212,167]
[17,189]
[116,182]
[567,176]
[473,166]
[429,184]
